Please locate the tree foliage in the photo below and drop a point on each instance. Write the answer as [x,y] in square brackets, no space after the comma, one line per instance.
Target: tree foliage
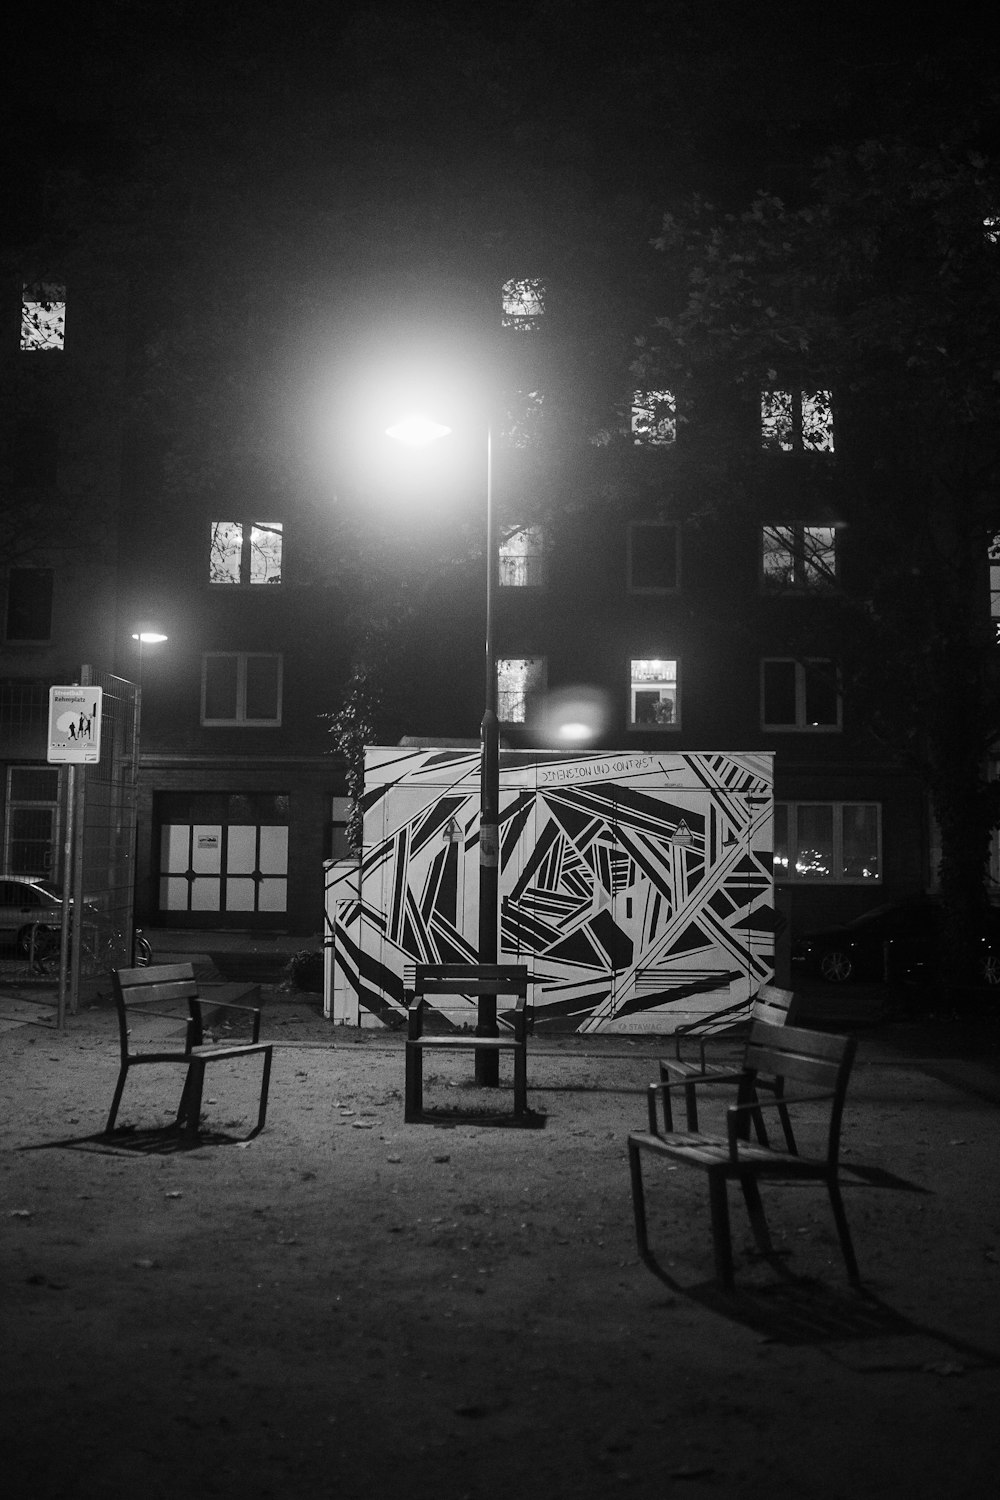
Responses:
[883,285]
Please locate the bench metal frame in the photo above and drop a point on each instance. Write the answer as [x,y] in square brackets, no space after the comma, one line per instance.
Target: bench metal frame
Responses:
[465,979]
[819,1066]
[144,992]
[772,1004]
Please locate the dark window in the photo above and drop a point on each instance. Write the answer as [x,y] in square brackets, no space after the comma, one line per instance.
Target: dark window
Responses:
[29,604]
[652,557]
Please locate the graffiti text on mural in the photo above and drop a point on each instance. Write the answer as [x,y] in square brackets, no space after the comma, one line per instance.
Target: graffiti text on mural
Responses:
[599,770]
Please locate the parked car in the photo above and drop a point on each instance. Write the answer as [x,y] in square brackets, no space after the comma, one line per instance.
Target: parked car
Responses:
[24,903]
[899,941]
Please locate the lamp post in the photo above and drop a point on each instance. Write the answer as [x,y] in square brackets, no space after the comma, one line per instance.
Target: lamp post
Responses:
[145,637]
[419,432]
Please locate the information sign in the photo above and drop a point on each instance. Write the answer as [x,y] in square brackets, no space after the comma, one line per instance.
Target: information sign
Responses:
[74,725]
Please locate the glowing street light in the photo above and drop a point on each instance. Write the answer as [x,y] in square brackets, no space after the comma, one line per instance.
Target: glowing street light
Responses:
[419,431]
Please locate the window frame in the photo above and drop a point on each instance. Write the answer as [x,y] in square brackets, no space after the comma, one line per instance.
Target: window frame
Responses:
[242,659]
[790,809]
[771,441]
[528,293]
[245,581]
[530,688]
[646,426]
[28,640]
[49,295]
[803,583]
[534,564]
[802,724]
[666,727]
[637,588]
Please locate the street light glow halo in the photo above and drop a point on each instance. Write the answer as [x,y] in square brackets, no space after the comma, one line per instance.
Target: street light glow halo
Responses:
[149,637]
[417,431]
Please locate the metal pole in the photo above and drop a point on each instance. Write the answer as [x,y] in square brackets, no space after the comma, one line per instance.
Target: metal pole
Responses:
[67,879]
[488,1063]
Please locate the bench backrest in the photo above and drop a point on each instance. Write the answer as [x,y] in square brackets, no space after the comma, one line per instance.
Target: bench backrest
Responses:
[815,1059]
[471,979]
[153,987]
[777,1006]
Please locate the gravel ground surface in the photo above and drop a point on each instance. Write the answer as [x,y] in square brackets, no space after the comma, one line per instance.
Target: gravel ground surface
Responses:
[349,1306]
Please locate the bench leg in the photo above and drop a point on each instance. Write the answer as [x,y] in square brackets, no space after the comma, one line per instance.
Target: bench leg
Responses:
[722,1246]
[755,1208]
[638,1199]
[844,1233]
[189,1110]
[690,1107]
[521,1080]
[265,1083]
[413,1099]
[116,1101]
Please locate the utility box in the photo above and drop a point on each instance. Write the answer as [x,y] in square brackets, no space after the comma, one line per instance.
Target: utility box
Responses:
[636,886]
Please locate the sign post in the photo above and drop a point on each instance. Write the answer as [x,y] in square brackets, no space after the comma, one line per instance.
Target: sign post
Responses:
[74,739]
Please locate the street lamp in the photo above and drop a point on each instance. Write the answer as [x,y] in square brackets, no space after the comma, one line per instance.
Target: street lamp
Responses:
[418,432]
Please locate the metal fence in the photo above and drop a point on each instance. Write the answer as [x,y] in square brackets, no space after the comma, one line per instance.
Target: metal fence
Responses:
[87,819]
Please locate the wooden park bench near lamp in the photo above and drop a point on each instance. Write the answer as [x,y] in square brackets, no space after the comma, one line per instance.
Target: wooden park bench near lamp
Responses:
[465,979]
[148,992]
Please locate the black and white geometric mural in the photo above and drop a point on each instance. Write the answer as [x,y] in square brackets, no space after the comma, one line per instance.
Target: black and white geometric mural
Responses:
[637,886]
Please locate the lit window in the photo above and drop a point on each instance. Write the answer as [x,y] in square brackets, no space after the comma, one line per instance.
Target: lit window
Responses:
[797,420]
[523,304]
[43,316]
[241,687]
[29,604]
[994,557]
[654,418]
[799,695]
[828,843]
[653,702]
[652,557]
[245,552]
[799,559]
[522,559]
[518,678]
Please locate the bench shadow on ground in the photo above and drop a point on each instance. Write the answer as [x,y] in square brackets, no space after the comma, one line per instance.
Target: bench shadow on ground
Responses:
[857,1327]
[131,1140]
[449,1116]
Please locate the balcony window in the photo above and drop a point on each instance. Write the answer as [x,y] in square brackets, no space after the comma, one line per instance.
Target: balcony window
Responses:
[799,695]
[652,558]
[245,552]
[828,843]
[43,316]
[522,559]
[518,679]
[654,419]
[798,559]
[523,302]
[796,421]
[28,616]
[241,688]
[653,694]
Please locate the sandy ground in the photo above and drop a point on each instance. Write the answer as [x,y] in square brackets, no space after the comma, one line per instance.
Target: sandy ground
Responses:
[348,1306]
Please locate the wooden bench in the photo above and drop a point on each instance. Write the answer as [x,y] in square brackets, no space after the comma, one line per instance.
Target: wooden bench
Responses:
[776,1006]
[157,991]
[465,979]
[819,1066]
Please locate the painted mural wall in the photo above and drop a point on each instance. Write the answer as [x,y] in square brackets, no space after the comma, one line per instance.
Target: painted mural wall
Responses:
[637,886]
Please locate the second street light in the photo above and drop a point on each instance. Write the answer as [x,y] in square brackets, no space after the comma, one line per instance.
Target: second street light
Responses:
[419,431]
